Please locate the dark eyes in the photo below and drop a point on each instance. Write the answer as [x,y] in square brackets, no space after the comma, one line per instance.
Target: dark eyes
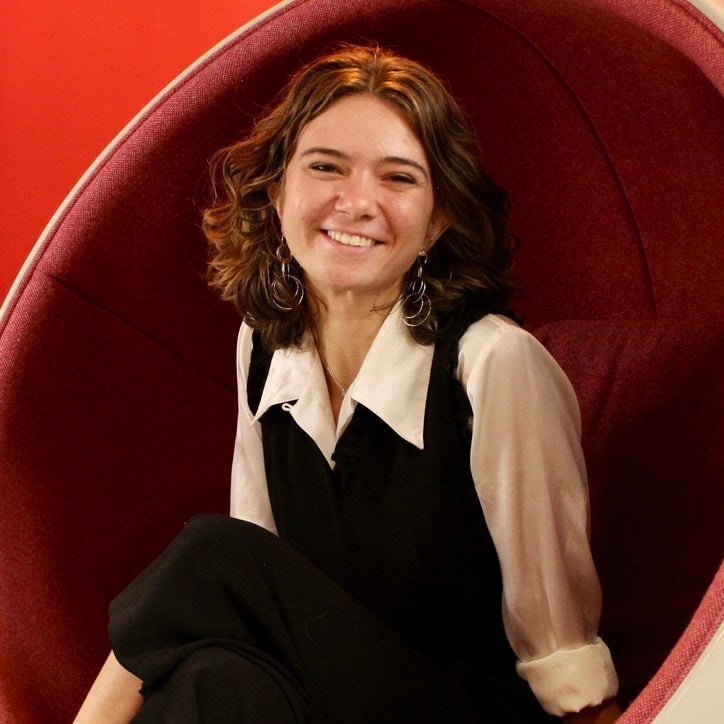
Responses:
[402,178]
[324,167]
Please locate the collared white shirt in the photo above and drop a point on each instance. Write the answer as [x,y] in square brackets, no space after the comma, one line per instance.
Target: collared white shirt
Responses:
[526,462]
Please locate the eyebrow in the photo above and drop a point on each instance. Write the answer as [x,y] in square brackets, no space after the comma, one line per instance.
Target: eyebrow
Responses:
[388,159]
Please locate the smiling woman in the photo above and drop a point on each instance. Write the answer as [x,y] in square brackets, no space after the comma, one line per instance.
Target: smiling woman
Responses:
[430,142]
[407,457]
[357,213]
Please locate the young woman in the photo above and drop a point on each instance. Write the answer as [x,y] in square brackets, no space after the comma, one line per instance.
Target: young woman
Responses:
[409,530]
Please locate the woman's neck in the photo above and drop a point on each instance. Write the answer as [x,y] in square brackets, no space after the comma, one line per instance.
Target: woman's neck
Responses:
[344,339]
[343,336]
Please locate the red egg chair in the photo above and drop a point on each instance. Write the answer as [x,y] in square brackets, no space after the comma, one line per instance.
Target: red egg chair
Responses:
[604,119]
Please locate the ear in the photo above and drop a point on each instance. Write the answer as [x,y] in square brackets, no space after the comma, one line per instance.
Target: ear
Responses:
[439,223]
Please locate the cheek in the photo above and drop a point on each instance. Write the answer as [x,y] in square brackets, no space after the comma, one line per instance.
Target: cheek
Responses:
[416,225]
[416,212]
[299,209]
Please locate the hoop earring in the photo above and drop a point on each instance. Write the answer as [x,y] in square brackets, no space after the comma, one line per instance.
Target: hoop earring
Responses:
[287,292]
[416,303]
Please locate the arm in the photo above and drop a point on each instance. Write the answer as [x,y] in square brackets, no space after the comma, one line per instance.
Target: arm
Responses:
[530,477]
[114,697]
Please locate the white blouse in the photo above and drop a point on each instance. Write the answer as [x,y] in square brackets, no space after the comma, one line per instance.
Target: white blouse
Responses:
[526,462]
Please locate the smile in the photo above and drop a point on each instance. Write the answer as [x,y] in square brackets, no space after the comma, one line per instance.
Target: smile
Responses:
[350,239]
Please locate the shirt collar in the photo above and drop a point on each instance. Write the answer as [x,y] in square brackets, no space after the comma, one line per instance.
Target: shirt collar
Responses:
[394,378]
[392,383]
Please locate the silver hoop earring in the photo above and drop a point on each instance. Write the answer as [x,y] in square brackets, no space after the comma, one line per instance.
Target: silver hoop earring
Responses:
[416,304]
[287,292]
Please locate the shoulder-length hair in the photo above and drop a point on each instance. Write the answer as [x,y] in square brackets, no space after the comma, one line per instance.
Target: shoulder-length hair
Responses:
[469,262]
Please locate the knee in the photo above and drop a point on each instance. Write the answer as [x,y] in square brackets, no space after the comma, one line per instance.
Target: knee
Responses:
[225,685]
[210,669]
[220,532]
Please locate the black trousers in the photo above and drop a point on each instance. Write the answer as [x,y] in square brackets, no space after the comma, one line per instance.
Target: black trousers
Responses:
[230,624]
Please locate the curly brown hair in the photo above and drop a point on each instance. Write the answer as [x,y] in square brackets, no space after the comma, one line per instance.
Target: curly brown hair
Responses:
[470,261]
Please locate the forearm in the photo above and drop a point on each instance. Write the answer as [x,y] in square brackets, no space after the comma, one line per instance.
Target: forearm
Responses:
[114,697]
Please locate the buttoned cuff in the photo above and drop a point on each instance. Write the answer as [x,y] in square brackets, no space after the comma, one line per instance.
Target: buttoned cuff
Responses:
[570,680]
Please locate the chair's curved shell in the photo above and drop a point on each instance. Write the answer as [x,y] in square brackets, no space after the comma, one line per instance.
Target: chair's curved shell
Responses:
[117,388]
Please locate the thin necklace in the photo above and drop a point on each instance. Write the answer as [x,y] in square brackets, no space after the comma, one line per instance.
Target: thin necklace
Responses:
[342,389]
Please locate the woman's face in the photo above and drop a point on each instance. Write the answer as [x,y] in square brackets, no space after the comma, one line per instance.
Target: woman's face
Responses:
[356,201]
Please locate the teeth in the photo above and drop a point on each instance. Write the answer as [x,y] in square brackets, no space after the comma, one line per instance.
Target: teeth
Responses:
[350,239]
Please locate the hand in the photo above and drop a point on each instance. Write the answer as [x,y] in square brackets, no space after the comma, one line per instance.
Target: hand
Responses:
[606,713]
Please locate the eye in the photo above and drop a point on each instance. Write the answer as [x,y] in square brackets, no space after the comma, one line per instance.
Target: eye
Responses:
[323,167]
[401,178]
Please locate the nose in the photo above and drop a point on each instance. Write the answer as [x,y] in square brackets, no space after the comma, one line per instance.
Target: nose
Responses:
[357,196]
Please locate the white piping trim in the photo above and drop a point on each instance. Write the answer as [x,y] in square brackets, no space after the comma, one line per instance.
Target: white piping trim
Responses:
[698,698]
[713,9]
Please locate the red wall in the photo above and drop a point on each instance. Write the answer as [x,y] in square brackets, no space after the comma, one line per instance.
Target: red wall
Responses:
[74,72]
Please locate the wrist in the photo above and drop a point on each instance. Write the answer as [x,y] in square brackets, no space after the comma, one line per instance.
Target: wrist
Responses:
[605,713]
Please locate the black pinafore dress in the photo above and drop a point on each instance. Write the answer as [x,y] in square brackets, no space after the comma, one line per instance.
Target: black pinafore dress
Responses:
[380,601]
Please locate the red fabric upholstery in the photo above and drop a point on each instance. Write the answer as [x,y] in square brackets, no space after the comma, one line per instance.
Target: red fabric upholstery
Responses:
[117,399]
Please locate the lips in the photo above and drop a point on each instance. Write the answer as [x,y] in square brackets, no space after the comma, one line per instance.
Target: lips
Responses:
[351,239]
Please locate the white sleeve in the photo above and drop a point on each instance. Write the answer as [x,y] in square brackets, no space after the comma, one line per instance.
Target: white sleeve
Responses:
[530,476]
[249,493]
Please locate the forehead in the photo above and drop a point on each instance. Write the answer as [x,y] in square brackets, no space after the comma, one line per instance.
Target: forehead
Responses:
[363,122]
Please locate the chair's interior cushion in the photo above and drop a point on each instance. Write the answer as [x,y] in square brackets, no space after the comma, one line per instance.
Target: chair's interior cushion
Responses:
[110,441]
